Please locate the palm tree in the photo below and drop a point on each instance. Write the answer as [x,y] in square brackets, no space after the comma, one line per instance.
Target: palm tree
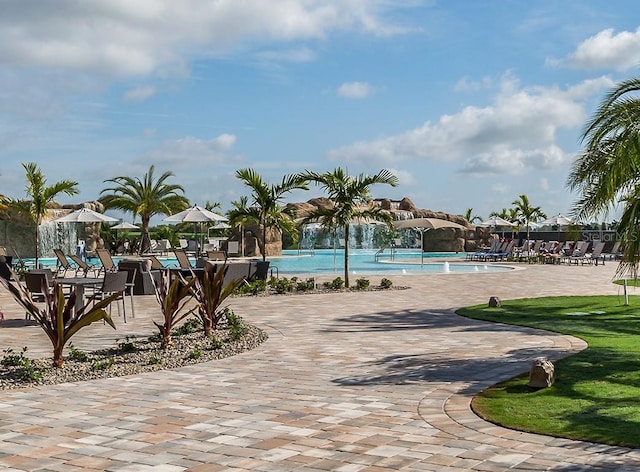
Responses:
[470,217]
[350,196]
[147,197]
[527,213]
[39,197]
[265,209]
[509,214]
[608,168]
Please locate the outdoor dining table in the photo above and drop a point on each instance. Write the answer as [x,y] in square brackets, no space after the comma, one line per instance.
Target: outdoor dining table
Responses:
[80,283]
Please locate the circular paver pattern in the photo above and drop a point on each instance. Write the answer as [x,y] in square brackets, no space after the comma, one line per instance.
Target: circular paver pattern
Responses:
[346,382]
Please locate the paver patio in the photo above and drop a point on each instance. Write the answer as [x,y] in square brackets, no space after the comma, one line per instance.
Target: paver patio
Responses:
[346,382]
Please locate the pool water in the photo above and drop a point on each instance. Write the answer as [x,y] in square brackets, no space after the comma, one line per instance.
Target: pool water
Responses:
[361,261]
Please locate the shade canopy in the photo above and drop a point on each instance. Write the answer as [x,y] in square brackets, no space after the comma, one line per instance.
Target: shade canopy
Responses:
[557,220]
[125,225]
[195,214]
[85,215]
[427,223]
[497,221]
[221,225]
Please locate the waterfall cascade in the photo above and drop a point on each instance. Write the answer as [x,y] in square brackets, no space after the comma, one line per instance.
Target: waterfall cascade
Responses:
[57,235]
[361,236]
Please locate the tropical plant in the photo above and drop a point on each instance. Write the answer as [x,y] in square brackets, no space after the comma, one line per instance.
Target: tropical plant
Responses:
[265,209]
[173,295]
[351,202]
[39,197]
[209,293]
[526,213]
[145,198]
[58,317]
[470,217]
[509,214]
[608,168]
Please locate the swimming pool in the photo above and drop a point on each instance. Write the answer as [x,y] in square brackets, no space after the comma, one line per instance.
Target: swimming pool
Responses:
[361,262]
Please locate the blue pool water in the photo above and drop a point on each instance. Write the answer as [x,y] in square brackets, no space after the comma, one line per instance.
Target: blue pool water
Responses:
[361,262]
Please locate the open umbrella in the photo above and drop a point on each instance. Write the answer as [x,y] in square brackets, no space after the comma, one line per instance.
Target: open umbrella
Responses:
[125,225]
[85,215]
[195,214]
[556,220]
[497,221]
[424,224]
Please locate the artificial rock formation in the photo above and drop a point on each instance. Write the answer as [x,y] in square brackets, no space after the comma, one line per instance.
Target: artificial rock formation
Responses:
[440,240]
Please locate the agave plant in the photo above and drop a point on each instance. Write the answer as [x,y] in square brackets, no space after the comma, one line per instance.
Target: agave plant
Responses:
[209,293]
[173,296]
[58,317]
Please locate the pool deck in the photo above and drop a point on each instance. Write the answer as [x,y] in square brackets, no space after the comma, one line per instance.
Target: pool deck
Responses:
[346,382]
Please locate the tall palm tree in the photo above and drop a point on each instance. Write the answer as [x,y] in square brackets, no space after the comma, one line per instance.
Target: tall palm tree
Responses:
[608,168]
[350,196]
[145,198]
[265,209]
[39,197]
[527,213]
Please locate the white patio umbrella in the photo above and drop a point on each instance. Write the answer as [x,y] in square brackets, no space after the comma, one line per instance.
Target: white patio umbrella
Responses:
[85,215]
[196,214]
[497,221]
[125,225]
[557,220]
[425,224]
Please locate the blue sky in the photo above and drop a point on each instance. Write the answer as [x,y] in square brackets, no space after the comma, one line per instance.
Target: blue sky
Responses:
[470,103]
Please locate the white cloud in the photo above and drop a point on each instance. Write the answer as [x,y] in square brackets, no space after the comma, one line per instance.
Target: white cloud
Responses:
[516,132]
[139,94]
[125,38]
[606,50]
[190,152]
[404,177]
[355,90]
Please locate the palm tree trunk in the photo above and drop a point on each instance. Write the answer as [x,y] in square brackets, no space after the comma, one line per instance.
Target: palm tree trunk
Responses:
[346,255]
[37,243]
[264,243]
[144,237]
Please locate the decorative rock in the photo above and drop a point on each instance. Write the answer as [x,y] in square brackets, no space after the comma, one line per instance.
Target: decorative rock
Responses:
[494,302]
[541,374]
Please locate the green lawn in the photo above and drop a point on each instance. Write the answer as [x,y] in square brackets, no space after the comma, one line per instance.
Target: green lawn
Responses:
[596,396]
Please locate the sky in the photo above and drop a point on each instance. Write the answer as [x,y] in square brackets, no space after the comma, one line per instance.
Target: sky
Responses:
[469,103]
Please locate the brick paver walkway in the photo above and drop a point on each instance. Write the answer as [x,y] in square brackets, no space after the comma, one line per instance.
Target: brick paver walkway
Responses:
[346,382]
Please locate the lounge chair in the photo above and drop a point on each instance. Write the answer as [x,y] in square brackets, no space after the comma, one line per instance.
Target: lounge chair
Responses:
[614,253]
[216,255]
[595,255]
[63,265]
[155,262]
[83,266]
[105,259]
[578,253]
[183,259]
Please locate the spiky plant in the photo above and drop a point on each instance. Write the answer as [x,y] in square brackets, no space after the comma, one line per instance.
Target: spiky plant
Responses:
[209,293]
[173,295]
[58,317]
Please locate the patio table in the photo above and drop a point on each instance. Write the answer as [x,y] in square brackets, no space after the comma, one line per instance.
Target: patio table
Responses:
[79,283]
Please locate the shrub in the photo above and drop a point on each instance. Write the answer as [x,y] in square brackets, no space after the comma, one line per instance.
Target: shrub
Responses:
[216,343]
[385,283]
[281,285]
[196,354]
[103,365]
[362,283]
[77,354]
[237,328]
[192,325]
[126,345]
[253,288]
[306,285]
[335,284]
[155,360]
